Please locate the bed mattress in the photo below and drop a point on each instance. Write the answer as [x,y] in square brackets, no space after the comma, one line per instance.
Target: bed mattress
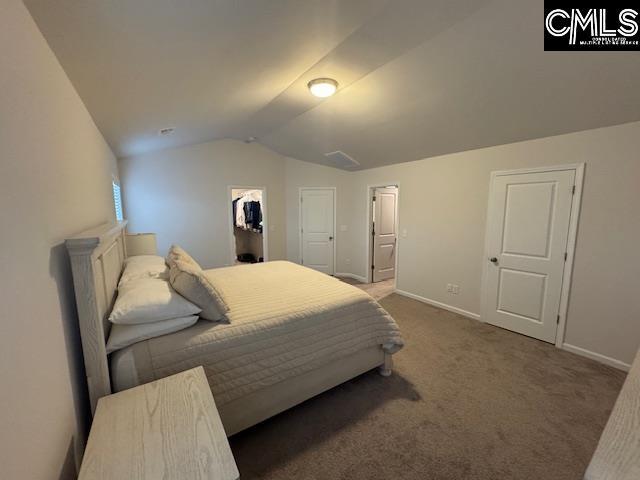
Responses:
[284,320]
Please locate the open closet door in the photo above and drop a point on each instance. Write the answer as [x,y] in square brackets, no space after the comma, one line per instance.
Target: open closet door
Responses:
[384,233]
[247,225]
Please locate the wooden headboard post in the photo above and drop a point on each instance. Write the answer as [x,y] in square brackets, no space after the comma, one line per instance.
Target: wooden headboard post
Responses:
[97,256]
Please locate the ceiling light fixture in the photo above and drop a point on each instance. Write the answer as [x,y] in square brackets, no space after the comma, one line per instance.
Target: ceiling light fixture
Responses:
[323,87]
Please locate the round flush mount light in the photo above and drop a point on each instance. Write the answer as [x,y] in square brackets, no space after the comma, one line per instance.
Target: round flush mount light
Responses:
[323,87]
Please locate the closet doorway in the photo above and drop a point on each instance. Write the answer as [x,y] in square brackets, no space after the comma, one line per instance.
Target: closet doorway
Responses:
[248,224]
[382,234]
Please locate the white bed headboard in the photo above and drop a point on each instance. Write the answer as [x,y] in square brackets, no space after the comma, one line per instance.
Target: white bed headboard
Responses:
[97,256]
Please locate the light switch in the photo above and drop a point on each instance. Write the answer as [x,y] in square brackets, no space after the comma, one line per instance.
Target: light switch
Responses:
[272,228]
[343,228]
[404,233]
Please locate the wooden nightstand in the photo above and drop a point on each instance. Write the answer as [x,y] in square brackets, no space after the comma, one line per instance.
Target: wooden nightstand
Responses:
[618,454]
[167,429]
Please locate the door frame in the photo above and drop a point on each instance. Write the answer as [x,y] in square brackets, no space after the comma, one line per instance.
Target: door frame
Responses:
[370,188]
[574,217]
[265,221]
[335,213]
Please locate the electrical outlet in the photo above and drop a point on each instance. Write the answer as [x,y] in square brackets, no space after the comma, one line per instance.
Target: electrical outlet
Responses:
[449,287]
[453,289]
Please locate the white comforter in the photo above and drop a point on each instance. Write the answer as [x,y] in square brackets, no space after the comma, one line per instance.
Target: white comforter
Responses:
[285,320]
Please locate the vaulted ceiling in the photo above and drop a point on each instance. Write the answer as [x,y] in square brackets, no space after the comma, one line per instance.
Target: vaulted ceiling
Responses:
[417,78]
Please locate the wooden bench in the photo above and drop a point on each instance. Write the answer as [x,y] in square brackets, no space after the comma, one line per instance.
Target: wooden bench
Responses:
[167,429]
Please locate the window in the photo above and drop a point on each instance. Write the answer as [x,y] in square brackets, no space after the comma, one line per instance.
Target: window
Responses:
[117,201]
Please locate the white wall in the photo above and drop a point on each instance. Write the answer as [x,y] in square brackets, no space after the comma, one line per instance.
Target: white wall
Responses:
[55,173]
[55,180]
[443,206]
[182,195]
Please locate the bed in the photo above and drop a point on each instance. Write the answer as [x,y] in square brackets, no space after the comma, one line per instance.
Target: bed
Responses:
[292,333]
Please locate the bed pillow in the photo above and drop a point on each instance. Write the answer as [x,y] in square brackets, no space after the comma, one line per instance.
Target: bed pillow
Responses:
[144,266]
[177,254]
[190,282]
[147,300]
[124,335]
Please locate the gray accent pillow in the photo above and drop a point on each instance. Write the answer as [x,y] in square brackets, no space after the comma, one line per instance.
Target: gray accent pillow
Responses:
[177,253]
[188,279]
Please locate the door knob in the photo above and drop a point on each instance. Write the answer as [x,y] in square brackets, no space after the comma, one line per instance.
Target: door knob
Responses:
[493,260]
[330,239]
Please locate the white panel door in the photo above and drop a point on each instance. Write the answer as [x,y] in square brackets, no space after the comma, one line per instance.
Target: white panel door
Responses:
[528,225]
[317,224]
[384,233]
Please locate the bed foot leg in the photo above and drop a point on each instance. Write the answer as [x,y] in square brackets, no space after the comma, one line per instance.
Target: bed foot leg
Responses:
[386,368]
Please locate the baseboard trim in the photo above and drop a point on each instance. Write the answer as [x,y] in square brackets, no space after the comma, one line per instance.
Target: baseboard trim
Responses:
[351,275]
[598,357]
[434,303]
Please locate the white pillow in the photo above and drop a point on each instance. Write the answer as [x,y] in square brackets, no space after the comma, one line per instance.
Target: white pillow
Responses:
[146,300]
[124,335]
[144,266]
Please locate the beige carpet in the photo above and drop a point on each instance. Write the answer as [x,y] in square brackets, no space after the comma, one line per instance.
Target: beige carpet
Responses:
[466,401]
[377,290]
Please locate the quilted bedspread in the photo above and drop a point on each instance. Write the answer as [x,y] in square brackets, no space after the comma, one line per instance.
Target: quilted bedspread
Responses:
[284,320]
